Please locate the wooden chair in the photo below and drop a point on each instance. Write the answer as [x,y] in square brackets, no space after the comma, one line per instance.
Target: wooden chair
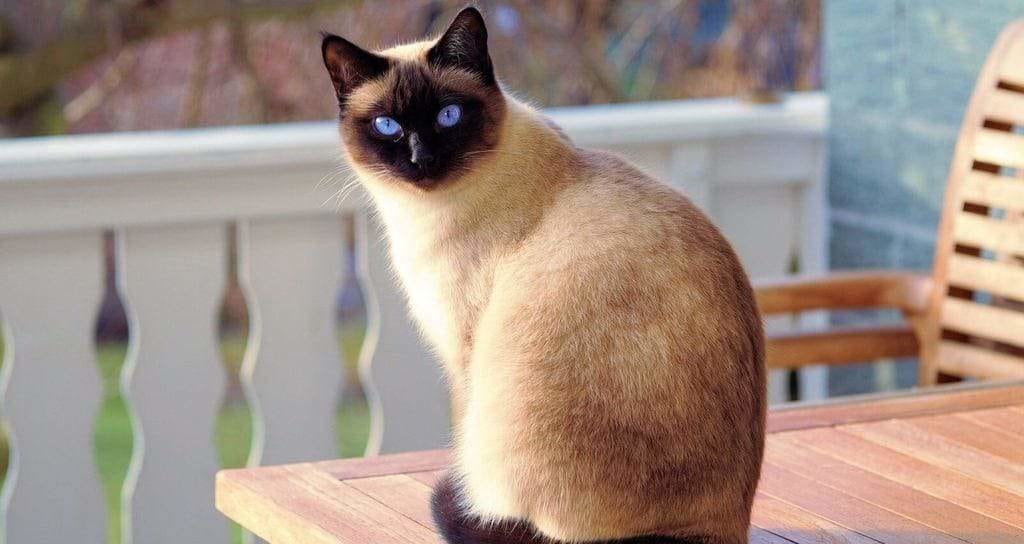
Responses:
[967,318]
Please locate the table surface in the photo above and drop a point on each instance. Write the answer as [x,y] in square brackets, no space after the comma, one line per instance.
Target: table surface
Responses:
[938,466]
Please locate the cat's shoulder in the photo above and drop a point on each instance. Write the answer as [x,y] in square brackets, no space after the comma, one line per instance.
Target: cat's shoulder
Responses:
[614,207]
[612,187]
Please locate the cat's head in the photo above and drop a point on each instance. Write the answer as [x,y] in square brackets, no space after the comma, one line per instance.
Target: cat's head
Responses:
[419,114]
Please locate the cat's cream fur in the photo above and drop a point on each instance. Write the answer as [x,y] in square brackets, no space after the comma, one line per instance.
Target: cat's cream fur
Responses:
[601,339]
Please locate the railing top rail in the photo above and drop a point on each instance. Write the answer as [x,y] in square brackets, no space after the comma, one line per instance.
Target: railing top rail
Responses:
[256,147]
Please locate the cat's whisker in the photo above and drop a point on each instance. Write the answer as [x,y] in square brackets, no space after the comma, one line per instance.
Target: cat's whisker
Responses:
[340,193]
[336,175]
[328,180]
[352,189]
[329,176]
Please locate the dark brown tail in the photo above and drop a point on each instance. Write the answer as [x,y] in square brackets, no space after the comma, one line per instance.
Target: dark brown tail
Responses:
[458,527]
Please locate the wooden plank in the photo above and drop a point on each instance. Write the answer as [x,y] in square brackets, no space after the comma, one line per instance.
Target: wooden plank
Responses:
[982,437]
[799,525]
[1004,105]
[1005,420]
[937,450]
[300,504]
[401,493]
[988,233]
[993,190]
[50,288]
[840,346]
[995,277]
[998,147]
[941,482]
[846,510]
[930,401]
[966,360]
[756,535]
[265,516]
[429,477]
[945,516]
[384,465]
[290,270]
[402,379]
[172,280]
[982,320]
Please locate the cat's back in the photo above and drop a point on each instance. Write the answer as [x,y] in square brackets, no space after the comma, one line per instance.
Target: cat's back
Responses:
[625,247]
[610,208]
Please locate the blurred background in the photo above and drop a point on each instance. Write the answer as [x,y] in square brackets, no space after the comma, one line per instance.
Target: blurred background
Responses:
[99,66]
[897,74]
[79,66]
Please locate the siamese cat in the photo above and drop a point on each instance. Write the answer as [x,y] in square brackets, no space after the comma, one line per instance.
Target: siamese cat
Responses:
[601,341]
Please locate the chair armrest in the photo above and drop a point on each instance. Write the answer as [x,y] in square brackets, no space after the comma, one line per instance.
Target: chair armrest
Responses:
[842,345]
[905,291]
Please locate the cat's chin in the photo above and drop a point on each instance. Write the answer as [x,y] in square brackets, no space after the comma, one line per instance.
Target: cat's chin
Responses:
[420,180]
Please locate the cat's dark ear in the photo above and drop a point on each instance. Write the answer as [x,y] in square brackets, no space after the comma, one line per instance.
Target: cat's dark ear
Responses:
[349,65]
[464,46]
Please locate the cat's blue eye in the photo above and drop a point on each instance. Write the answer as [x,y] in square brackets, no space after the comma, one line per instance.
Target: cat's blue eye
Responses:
[386,126]
[449,115]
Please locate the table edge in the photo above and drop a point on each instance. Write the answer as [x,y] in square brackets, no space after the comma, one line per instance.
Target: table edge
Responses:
[899,404]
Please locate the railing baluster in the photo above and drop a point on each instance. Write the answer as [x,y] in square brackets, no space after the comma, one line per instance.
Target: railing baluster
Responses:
[408,400]
[172,280]
[50,287]
[290,270]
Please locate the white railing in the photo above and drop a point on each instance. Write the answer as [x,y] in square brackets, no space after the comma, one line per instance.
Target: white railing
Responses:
[170,197]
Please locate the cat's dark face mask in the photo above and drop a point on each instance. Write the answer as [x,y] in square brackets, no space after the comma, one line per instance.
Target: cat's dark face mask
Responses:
[422,121]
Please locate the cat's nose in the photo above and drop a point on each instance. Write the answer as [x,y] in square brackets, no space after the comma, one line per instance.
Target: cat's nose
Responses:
[418,153]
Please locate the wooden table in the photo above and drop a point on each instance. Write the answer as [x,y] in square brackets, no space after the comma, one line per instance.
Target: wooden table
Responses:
[944,466]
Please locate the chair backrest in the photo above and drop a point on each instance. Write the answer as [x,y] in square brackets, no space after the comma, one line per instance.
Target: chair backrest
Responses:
[975,322]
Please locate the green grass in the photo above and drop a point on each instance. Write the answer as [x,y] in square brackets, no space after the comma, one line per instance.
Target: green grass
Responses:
[233,433]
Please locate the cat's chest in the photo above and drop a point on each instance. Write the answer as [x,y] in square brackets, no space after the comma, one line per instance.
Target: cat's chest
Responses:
[445,296]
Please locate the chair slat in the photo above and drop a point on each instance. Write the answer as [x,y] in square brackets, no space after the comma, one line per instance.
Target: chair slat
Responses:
[51,388]
[1011,67]
[989,233]
[995,98]
[997,147]
[977,362]
[290,271]
[1005,105]
[408,400]
[993,190]
[995,277]
[982,320]
[172,281]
